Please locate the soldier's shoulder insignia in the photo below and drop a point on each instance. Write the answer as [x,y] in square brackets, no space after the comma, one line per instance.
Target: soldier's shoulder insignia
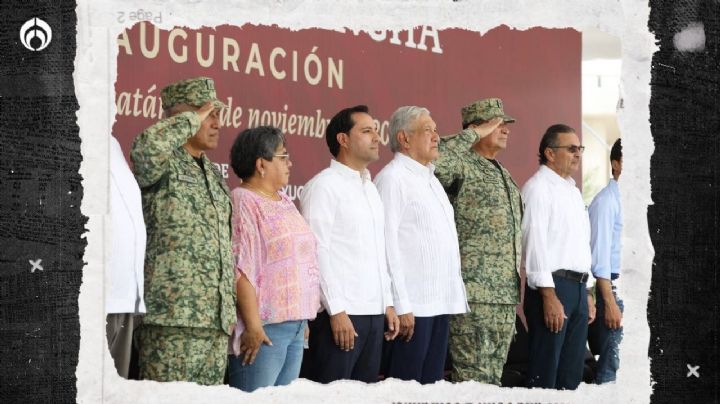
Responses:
[186,178]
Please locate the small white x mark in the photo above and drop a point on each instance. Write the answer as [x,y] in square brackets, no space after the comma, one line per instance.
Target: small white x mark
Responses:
[36,265]
[693,371]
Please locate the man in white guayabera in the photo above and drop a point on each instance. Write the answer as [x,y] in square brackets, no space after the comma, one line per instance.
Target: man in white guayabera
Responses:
[423,254]
[124,301]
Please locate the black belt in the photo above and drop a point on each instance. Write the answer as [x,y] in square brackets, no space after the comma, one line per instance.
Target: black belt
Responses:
[580,277]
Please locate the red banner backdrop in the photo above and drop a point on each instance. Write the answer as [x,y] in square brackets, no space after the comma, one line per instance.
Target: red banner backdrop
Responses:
[297,80]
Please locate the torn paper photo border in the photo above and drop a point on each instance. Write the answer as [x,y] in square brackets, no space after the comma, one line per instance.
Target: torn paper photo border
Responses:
[97,29]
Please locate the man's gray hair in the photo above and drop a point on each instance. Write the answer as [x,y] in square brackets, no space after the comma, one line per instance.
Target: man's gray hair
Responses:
[401,120]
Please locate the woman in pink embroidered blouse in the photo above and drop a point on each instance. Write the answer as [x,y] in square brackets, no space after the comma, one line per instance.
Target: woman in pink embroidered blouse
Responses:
[276,268]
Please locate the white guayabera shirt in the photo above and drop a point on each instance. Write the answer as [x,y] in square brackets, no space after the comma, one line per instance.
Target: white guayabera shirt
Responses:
[421,240]
[344,211]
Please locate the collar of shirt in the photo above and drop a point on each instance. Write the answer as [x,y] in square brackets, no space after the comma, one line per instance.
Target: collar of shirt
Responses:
[415,167]
[614,188]
[551,175]
[485,162]
[189,158]
[348,172]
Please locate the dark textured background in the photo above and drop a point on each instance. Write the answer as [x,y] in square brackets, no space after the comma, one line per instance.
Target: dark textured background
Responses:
[684,222]
[40,207]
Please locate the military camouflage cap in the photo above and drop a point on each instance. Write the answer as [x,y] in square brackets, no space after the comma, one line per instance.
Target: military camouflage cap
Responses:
[196,92]
[485,109]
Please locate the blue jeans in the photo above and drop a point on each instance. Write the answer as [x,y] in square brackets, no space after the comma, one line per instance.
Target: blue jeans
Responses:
[275,365]
[605,343]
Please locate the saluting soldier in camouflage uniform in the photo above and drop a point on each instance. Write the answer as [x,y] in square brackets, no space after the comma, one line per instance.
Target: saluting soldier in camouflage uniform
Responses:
[190,294]
[488,213]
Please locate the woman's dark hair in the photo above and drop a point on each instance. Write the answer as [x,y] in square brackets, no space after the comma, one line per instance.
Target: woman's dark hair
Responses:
[549,139]
[251,144]
[341,123]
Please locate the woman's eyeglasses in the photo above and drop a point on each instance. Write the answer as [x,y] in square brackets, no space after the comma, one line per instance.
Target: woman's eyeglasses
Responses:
[283,157]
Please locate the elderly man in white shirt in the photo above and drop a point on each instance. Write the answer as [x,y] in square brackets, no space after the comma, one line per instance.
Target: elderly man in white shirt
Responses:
[124,270]
[422,248]
[557,258]
[344,210]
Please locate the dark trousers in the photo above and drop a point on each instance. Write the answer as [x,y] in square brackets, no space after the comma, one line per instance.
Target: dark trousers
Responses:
[119,331]
[423,357]
[325,362]
[557,359]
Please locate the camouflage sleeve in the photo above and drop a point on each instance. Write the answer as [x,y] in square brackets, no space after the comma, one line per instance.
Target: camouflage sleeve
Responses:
[459,142]
[152,149]
[449,166]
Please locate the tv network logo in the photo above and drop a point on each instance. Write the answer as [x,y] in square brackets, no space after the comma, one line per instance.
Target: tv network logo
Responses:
[35,34]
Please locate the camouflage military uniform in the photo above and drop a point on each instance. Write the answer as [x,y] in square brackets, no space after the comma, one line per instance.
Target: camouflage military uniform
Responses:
[190,293]
[488,213]
[183,353]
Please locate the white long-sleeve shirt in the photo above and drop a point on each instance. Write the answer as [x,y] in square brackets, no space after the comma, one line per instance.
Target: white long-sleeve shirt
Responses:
[556,228]
[344,211]
[124,270]
[423,255]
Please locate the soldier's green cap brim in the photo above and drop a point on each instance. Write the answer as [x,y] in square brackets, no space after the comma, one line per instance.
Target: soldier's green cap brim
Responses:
[216,103]
[219,105]
[506,119]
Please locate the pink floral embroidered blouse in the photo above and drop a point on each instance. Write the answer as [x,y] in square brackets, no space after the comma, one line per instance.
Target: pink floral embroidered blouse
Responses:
[276,250]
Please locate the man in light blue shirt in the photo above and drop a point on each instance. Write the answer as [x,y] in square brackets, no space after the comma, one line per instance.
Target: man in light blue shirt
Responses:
[605,211]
